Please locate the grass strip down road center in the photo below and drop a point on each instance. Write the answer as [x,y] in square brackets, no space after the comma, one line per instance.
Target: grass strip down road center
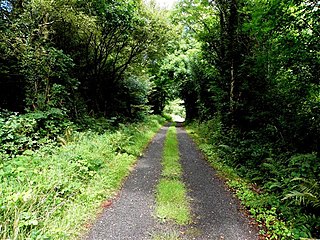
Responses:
[171,198]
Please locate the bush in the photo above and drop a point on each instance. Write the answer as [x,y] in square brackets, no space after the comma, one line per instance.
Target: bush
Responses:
[19,133]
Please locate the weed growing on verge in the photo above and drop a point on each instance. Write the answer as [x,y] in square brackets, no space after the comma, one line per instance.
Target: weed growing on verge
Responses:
[51,192]
[171,192]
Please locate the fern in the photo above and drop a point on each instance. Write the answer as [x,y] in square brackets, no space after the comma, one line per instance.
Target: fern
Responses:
[307,193]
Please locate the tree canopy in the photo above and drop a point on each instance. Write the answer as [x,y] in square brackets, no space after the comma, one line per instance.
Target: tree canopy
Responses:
[80,55]
[247,70]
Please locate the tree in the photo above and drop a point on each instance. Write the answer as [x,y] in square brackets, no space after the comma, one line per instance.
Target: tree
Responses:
[82,52]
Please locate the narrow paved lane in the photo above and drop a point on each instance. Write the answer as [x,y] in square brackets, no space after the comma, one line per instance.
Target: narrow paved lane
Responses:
[215,209]
[131,214]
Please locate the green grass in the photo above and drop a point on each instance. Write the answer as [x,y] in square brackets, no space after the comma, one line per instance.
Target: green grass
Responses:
[171,195]
[170,162]
[172,201]
[54,192]
[171,235]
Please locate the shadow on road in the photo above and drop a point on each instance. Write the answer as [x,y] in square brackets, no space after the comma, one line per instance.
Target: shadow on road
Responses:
[179,124]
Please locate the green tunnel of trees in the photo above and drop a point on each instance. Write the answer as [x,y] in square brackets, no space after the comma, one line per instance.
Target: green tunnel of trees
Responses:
[248,70]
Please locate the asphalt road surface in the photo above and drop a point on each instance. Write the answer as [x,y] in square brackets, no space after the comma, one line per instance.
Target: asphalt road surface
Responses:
[215,211]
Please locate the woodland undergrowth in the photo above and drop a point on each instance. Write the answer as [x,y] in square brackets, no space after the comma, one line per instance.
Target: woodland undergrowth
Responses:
[53,178]
[280,190]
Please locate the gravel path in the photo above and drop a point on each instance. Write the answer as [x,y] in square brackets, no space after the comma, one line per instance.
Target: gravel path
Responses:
[216,211]
[131,215]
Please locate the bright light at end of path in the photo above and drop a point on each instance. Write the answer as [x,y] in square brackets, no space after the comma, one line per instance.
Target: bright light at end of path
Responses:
[167,4]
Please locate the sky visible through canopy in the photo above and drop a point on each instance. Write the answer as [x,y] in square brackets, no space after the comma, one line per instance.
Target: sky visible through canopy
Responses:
[165,3]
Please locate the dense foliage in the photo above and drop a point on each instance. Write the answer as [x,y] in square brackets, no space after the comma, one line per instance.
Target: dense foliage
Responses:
[72,75]
[254,85]
[247,72]
[80,56]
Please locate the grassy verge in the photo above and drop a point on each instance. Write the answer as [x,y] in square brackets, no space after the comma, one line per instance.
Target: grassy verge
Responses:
[264,206]
[52,192]
[171,197]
